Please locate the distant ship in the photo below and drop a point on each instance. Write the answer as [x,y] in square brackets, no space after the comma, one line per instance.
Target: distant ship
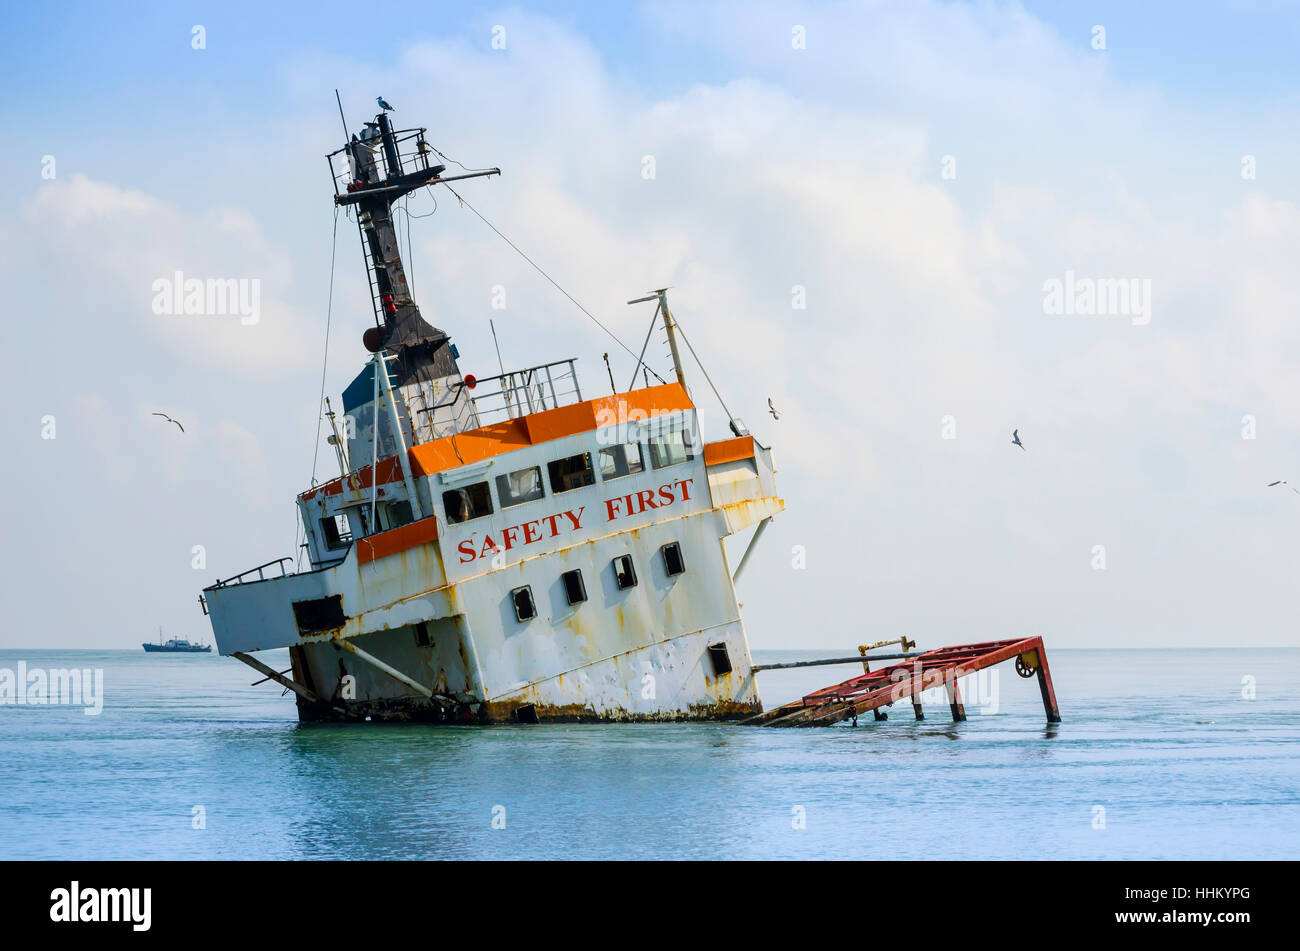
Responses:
[175,645]
[503,548]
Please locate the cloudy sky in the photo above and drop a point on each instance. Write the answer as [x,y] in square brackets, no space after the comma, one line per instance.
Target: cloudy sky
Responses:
[916,174]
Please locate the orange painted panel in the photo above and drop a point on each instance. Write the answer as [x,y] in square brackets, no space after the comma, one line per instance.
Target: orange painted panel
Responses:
[397,539]
[450,452]
[728,450]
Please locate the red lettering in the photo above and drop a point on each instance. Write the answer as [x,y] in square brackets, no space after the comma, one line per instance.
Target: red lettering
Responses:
[488,545]
[611,509]
[532,533]
[507,536]
[551,520]
[576,519]
[466,551]
[666,494]
[686,493]
[647,499]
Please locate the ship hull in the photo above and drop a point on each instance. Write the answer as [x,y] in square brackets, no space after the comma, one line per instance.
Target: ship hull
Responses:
[159,649]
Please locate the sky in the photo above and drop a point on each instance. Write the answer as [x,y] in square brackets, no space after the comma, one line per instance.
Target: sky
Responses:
[862,209]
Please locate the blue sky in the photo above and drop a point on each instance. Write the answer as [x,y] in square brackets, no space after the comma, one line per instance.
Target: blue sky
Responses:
[819,168]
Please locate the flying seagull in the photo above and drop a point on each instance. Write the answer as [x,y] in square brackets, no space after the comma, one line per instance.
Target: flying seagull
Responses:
[1015,439]
[1285,483]
[170,420]
[776,414]
[383,105]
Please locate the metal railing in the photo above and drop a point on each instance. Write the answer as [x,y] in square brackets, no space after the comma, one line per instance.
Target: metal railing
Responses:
[514,394]
[261,572]
[413,154]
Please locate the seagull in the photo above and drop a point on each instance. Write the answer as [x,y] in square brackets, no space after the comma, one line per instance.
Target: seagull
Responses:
[1285,483]
[383,105]
[776,414]
[170,420]
[1015,439]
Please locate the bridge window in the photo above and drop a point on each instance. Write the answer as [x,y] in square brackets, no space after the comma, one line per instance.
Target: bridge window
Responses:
[571,473]
[624,572]
[467,502]
[525,608]
[397,514]
[516,488]
[619,461]
[574,588]
[334,531]
[669,449]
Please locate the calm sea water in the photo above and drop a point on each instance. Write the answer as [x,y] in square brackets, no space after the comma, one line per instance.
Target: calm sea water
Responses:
[1164,742]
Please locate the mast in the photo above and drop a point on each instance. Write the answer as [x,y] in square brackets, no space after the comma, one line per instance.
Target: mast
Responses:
[383,165]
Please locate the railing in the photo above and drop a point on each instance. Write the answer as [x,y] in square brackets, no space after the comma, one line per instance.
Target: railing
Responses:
[514,394]
[413,154]
[261,572]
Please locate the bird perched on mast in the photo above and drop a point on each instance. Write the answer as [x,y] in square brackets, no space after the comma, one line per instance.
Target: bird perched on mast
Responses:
[383,105]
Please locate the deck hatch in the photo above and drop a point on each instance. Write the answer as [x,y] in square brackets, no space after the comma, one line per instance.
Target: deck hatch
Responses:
[319,614]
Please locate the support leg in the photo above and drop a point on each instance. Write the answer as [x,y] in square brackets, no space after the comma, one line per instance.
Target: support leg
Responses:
[954,697]
[1045,687]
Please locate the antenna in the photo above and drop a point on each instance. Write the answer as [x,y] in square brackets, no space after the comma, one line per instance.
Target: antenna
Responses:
[345,121]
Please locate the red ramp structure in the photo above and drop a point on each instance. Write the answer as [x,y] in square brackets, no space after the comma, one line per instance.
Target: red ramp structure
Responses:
[912,674]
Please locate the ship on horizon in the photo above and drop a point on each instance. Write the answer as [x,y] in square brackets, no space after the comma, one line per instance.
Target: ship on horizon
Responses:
[175,645]
[503,548]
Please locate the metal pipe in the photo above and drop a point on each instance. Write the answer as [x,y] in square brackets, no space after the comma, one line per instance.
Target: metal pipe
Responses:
[749,549]
[416,510]
[282,680]
[833,660]
[376,662]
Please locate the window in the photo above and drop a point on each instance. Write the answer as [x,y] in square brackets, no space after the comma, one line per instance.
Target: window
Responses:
[516,488]
[525,608]
[398,514]
[720,658]
[624,572]
[668,449]
[674,564]
[574,588]
[471,501]
[621,460]
[334,531]
[422,634]
[571,473]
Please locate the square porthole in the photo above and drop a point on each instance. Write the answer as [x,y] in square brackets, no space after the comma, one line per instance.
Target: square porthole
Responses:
[674,563]
[720,658]
[525,607]
[574,588]
[624,572]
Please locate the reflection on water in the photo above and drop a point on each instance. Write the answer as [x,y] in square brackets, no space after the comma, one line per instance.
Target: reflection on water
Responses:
[1184,766]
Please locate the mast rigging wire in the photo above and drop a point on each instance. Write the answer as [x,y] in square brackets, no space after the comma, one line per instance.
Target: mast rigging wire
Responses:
[539,270]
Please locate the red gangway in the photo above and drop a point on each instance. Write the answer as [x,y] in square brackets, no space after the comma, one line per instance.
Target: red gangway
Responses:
[909,677]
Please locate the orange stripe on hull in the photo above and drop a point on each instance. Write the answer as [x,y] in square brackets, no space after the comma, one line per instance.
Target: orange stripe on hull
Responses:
[398,539]
[450,452]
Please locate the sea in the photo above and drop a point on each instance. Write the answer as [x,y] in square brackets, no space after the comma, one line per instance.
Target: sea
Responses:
[1160,754]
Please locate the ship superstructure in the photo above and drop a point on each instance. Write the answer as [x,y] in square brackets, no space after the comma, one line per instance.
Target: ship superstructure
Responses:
[503,548]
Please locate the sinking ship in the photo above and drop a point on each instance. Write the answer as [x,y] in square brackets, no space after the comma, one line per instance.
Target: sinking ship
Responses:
[503,548]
